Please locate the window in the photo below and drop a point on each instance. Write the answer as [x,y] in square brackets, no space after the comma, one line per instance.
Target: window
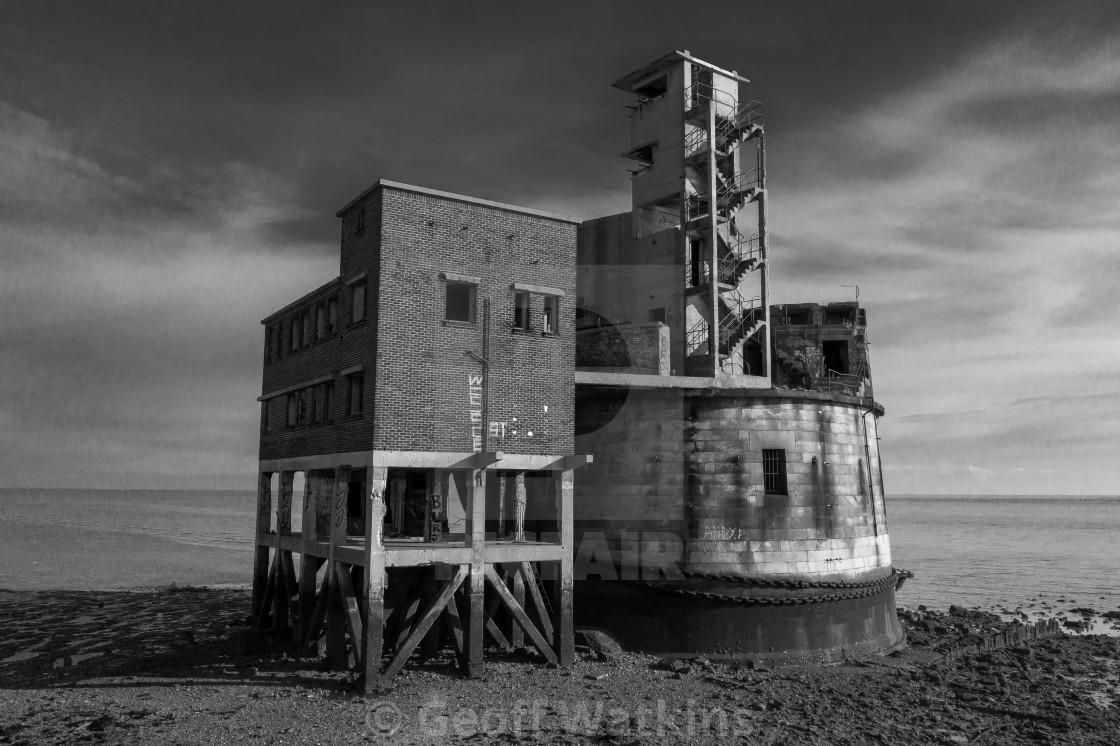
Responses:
[774,471]
[332,315]
[550,323]
[266,416]
[835,356]
[521,311]
[460,302]
[325,408]
[358,309]
[320,321]
[301,408]
[293,409]
[657,314]
[360,223]
[354,395]
[296,325]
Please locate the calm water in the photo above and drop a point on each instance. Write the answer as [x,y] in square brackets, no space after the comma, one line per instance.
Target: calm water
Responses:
[975,551]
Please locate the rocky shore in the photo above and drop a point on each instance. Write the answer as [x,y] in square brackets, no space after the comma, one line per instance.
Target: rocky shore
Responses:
[170,666]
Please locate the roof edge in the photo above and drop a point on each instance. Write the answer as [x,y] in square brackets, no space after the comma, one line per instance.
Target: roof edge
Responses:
[627,81]
[385,183]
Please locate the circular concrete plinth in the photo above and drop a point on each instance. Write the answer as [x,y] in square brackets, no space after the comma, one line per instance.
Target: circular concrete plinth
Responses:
[652,621]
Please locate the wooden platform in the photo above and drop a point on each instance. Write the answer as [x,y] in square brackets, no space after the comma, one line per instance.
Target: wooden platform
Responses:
[372,602]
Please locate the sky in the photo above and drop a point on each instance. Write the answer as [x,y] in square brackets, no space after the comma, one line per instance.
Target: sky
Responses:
[169,174]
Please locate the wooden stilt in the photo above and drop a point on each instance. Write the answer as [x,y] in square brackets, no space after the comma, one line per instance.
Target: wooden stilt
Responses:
[520,500]
[455,628]
[519,614]
[533,586]
[476,536]
[282,596]
[308,565]
[375,578]
[564,486]
[336,618]
[260,559]
[351,612]
[434,607]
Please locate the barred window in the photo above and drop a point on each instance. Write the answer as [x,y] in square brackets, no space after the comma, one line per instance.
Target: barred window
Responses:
[774,471]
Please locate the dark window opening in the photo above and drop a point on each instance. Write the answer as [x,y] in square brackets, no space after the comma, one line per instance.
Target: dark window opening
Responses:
[360,223]
[521,311]
[774,471]
[358,309]
[836,356]
[460,302]
[296,325]
[694,248]
[324,411]
[332,315]
[320,322]
[354,395]
[267,415]
[654,88]
[550,322]
[657,314]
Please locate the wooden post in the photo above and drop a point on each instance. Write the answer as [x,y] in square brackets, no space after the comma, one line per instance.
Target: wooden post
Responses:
[501,478]
[375,577]
[520,498]
[336,619]
[308,566]
[476,540]
[565,643]
[437,505]
[283,526]
[264,522]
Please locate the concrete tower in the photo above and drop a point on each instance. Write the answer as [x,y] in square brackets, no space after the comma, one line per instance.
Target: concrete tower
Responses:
[724,514]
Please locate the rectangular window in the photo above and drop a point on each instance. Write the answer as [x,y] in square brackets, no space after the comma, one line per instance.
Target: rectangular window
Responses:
[293,409]
[320,321]
[521,311]
[296,326]
[332,315]
[657,314]
[325,408]
[774,471]
[358,309]
[550,322]
[354,395]
[360,223]
[460,302]
[301,408]
[266,415]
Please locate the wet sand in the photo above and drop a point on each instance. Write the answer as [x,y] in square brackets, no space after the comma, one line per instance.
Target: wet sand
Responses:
[169,666]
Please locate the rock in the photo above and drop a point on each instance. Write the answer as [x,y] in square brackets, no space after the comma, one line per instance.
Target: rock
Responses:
[601,642]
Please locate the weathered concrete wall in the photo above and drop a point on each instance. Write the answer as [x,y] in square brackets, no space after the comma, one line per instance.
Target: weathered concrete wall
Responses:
[691,463]
[829,524]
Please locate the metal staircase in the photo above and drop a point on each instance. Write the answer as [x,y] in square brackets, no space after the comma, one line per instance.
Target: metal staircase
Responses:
[717,188]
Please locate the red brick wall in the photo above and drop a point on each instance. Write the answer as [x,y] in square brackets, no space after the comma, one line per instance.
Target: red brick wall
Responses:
[422,398]
[417,387]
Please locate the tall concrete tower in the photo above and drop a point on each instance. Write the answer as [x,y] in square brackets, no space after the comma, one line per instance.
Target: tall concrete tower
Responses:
[736,485]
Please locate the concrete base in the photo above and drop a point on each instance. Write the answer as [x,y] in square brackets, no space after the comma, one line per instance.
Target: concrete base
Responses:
[652,621]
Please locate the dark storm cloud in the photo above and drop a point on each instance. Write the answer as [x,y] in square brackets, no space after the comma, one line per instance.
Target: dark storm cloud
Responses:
[171,172]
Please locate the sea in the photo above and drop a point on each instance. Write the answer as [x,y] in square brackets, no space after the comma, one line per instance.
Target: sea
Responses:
[1014,555]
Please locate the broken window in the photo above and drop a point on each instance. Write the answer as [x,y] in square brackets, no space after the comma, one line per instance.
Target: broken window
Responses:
[835,356]
[354,395]
[521,311]
[550,322]
[774,471]
[460,302]
[358,309]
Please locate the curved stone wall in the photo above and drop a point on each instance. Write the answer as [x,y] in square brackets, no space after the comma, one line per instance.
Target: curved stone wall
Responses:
[676,500]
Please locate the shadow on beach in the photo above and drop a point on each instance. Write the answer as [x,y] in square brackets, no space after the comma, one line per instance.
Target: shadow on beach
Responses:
[154,637]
